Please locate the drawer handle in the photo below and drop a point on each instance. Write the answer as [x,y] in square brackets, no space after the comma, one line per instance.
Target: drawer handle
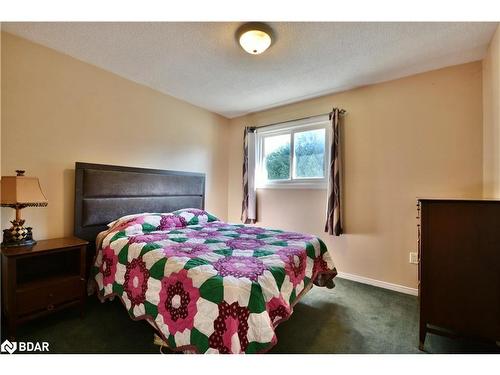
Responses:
[50,307]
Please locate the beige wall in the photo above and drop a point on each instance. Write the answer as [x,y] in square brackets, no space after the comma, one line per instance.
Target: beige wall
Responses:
[416,136]
[491,119]
[57,110]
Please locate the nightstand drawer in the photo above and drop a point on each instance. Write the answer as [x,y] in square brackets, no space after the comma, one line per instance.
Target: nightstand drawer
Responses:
[49,294]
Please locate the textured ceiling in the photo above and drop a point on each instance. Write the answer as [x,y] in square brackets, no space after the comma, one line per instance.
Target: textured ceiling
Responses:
[202,63]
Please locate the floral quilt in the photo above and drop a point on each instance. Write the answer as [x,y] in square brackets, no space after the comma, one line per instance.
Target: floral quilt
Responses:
[205,285]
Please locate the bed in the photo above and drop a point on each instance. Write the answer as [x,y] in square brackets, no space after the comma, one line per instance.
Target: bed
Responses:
[206,286]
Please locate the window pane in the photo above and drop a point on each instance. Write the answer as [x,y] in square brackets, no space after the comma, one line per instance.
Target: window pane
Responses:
[277,157]
[309,154]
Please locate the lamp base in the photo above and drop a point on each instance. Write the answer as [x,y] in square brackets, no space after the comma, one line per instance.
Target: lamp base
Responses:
[18,243]
[17,235]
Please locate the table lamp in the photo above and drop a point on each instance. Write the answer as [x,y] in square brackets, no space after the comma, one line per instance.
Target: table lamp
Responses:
[20,192]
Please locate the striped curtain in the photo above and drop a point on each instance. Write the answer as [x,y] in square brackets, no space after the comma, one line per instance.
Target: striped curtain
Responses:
[249,203]
[334,210]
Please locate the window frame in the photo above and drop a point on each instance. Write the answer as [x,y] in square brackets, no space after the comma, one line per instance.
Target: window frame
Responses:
[292,127]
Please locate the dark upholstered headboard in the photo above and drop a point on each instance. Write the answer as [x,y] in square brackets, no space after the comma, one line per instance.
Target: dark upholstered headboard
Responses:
[104,193]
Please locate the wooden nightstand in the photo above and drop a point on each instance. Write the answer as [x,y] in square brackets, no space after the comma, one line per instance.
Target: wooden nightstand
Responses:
[41,279]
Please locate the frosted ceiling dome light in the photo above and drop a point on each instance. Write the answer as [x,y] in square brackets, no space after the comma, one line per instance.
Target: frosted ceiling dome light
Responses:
[254,37]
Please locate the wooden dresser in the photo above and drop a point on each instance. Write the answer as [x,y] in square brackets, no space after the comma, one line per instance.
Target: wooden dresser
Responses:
[459,268]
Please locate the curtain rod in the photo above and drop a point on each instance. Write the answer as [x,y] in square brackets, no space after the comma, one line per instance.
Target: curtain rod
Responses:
[341,111]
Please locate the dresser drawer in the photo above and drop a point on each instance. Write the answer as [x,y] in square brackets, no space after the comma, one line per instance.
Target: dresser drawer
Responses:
[48,295]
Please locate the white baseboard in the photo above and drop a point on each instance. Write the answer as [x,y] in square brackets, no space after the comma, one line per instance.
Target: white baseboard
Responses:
[378,283]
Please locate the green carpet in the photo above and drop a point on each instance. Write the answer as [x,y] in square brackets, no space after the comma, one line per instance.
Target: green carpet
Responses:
[351,318]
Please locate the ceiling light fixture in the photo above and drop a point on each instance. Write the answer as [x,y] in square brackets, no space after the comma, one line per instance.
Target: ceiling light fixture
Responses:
[254,37]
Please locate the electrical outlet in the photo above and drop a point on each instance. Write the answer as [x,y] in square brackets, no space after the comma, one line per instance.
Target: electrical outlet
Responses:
[413,258]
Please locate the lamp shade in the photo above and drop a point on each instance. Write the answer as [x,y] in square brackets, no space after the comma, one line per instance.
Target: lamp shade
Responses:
[255,41]
[21,190]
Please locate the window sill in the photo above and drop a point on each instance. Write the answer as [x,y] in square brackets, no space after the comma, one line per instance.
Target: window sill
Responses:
[305,185]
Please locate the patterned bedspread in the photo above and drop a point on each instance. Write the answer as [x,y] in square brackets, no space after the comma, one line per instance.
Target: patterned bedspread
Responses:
[206,285]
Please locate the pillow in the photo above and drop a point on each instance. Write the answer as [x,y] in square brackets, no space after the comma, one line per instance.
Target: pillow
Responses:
[164,221]
[126,218]
[195,216]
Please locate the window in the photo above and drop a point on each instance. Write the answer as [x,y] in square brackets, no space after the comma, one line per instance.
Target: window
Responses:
[292,154]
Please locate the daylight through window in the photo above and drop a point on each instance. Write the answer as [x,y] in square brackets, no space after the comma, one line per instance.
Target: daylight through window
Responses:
[292,156]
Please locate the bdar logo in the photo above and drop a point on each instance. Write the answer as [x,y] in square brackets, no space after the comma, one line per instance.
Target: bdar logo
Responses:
[8,346]
[24,346]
